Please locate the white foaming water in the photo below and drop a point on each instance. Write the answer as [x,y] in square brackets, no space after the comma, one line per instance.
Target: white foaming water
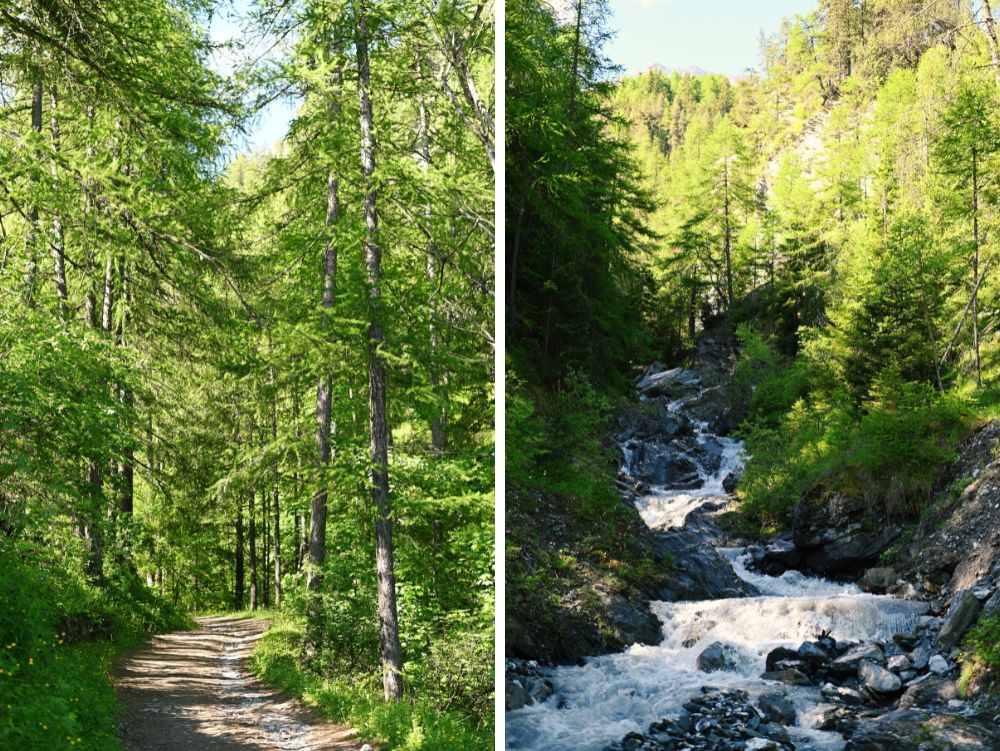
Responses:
[613,695]
[664,507]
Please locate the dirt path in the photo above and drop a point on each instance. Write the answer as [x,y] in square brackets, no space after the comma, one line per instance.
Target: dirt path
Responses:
[192,691]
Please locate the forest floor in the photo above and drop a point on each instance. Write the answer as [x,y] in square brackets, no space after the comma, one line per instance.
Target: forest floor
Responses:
[192,690]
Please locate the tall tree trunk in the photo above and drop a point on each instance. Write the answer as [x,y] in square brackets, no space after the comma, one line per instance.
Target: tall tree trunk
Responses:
[240,575]
[991,37]
[34,236]
[384,559]
[59,241]
[975,265]
[252,543]
[275,505]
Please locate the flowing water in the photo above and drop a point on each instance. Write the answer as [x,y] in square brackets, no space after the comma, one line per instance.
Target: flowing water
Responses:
[612,695]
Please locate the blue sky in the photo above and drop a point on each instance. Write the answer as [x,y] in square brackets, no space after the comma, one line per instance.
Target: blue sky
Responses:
[720,36]
[270,125]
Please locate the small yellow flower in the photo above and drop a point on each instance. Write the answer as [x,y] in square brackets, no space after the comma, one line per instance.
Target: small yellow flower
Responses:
[31,660]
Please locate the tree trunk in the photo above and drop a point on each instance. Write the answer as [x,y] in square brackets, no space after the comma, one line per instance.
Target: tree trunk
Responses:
[31,263]
[252,542]
[275,504]
[975,265]
[59,241]
[240,577]
[388,617]
[728,238]
[991,37]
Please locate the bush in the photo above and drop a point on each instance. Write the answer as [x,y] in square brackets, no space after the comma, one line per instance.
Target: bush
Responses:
[418,723]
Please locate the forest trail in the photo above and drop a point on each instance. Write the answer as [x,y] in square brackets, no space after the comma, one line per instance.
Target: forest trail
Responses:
[192,690]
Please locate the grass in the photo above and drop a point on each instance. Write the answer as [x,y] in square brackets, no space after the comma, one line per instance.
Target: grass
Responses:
[413,724]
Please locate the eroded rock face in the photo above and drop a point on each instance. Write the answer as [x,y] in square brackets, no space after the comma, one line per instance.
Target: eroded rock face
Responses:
[918,730]
[834,537]
[960,616]
[698,572]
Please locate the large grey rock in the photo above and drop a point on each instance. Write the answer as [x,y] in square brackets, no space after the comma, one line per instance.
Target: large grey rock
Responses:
[834,535]
[777,707]
[938,665]
[671,383]
[932,691]
[791,676]
[899,663]
[516,696]
[848,663]
[780,658]
[918,730]
[718,656]
[879,579]
[697,571]
[878,678]
[843,694]
[960,616]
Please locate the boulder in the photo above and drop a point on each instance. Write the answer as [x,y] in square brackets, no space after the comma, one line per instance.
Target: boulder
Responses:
[698,572]
[934,690]
[782,657]
[913,730]
[878,679]
[879,579]
[938,665]
[960,616]
[843,694]
[920,657]
[672,383]
[812,652]
[516,696]
[848,663]
[790,676]
[899,663]
[777,707]
[718,656]
[835,537]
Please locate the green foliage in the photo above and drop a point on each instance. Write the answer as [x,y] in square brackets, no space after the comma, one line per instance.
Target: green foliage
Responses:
[58,636]
[982,644]
[445,710]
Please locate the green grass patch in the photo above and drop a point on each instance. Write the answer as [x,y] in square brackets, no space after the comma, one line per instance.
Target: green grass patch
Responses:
[414,724]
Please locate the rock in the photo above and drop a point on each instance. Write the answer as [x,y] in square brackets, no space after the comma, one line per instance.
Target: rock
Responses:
[698,572]
[899,663]
[992,605]
[842,693]
[516,696]
[366,747]
[878,678]
[918,730]
[761,744]
[790,676]
[835,537]
[779,556]
[812,652]
[879,579]
[848,663]
[920,657]
[718,656]
[960,616]
[907,675]
[838,719]
[671,383]
[777,707]
[938,665]
[782,657]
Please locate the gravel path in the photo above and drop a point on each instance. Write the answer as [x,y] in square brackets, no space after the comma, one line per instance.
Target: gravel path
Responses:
[192,691]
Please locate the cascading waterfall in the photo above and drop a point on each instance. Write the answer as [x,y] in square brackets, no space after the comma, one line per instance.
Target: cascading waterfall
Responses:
[613,695]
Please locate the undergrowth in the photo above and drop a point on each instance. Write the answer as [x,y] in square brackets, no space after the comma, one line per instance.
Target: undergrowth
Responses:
[59,635]
[417,723]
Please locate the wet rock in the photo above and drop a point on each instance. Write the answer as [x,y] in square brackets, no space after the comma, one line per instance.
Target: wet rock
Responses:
[698,572]
[718,656]
[878,678]
[898,663]
[918,730]
[842,720]
[776,558]
[848,663]
[812,652]
[516,695]
[938,665]
[933,691]
[790,676]
[777,707]
[835,537]
[761,744]
[960,616]
[782,657]
[672,383]
[878,580]
[920,657]
[843,694]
